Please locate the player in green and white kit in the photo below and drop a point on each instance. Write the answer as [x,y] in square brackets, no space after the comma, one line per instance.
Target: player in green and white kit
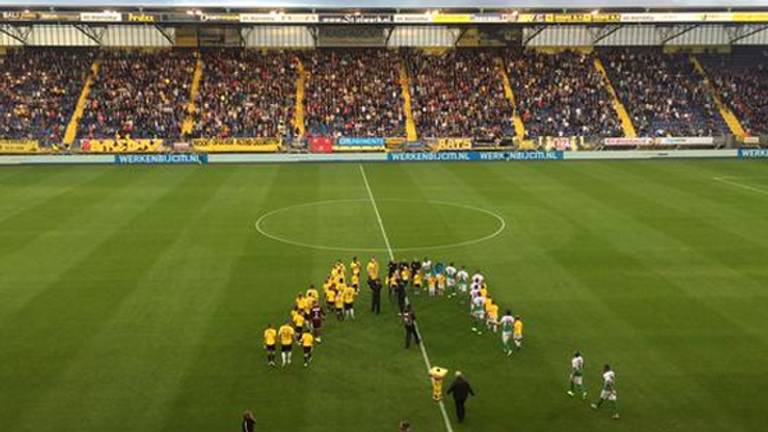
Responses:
[609,391]
[577,375]
[507,326]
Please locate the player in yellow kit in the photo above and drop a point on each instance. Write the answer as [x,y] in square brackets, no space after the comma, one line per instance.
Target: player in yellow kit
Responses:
[405,275]
[297,317]
[270,343]
[307,342]
[491,315]
[355,281]
[338,302]
[418,280]
[354,266]
[349,295]
[312,294]
[517,334]
[373,269]
[440,279]
[286,334]
[431,283]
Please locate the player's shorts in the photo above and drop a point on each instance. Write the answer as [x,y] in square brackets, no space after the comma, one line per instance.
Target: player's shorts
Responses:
[299,329]
[506,336]
[317,324]
[450,282]
[493,321]
[608,395]
[307,350]
[349,306]
[271,348]
[417,285]
[577,379]
[463,287]
[479,314]
[339,309]
[518,337]
[286,348]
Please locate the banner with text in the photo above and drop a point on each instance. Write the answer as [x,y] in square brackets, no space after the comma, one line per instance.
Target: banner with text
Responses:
[19,146]
[237,145]
[475,156]
[161,159]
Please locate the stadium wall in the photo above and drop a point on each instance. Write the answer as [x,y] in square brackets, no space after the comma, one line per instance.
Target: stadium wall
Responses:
[379,157]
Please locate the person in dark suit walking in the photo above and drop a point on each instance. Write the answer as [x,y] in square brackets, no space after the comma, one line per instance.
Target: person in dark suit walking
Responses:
[409,321]
[375,286]
[460,390]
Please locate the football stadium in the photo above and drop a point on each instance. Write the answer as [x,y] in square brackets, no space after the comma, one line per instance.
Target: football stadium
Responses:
[374,216]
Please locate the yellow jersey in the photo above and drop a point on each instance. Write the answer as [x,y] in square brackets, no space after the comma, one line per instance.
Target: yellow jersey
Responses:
[355,280]
[373,270]
[518,327]
[349,295]
[312,293]
[484,292]
[286,333]
[440,280]
[417,278]
[330,295]
[493,311]
[339,301]
[297,318]
[307,340]
[270,337]
[431,281]
[405,273]
[355,267]
[301,302]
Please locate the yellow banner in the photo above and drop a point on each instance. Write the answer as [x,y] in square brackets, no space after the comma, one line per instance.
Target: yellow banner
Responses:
[19,146]
[124,145]
[237,145]
[750,16]
[452,18]
[453,144]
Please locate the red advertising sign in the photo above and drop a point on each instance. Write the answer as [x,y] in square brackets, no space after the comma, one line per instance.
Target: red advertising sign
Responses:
[320,144]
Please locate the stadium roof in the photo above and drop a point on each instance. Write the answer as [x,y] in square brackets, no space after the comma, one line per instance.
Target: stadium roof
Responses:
[392,4]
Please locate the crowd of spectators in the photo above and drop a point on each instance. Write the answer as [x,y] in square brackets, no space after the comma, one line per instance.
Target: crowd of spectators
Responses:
[39,89]
[459,93]
[246,93]
[561,95]
[663,93]
[354,93]
[741,79]
[139,94]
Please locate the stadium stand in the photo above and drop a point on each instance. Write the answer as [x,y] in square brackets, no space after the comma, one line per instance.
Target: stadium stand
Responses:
[561,95]
[741,80]
[139,94]
[459,93]
[354,93]
[663,93]
[246,93]
[39,88]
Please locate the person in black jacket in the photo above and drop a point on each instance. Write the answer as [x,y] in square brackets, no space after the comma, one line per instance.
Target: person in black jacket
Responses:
[460,390]
[409,321]
[375,286]
[249,423]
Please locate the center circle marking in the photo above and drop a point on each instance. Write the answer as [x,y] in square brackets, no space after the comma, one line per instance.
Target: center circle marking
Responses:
[259,224]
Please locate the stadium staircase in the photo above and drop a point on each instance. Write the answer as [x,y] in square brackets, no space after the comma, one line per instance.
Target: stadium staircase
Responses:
[197,77]
[71,132]
[301,81]
[405,85]
[730,118]
[621,111]
[516,120]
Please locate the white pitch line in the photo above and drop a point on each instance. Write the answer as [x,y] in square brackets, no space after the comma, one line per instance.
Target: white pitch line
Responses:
[424,354]
[740,185]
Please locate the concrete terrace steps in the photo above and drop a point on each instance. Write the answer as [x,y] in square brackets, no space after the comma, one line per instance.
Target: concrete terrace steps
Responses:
[197,77]
[621,111]
[730,118]
[71,132]
[520,132]
[405,85]
[301,81]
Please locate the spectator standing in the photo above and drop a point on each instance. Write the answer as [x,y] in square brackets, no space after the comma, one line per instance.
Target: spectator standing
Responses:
[375,286]
[460,390]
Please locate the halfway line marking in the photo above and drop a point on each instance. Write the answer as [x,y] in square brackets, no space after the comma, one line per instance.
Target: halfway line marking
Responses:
[424,355]
[740,185]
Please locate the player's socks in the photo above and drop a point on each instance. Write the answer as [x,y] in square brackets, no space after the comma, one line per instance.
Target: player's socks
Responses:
[352,313]
[289,358]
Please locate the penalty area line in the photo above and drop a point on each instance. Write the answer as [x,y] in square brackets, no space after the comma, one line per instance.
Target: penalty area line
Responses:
[424,354]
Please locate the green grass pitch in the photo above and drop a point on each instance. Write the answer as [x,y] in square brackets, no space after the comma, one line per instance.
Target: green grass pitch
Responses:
[134,298]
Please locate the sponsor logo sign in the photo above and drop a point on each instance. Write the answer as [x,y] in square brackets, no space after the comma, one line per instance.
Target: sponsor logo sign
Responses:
[753,153]
[101,17]
[476,156]
[161,159]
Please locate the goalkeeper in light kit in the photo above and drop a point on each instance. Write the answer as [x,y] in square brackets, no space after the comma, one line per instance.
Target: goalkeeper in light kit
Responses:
[507,324]
[609,391]
[577,376]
